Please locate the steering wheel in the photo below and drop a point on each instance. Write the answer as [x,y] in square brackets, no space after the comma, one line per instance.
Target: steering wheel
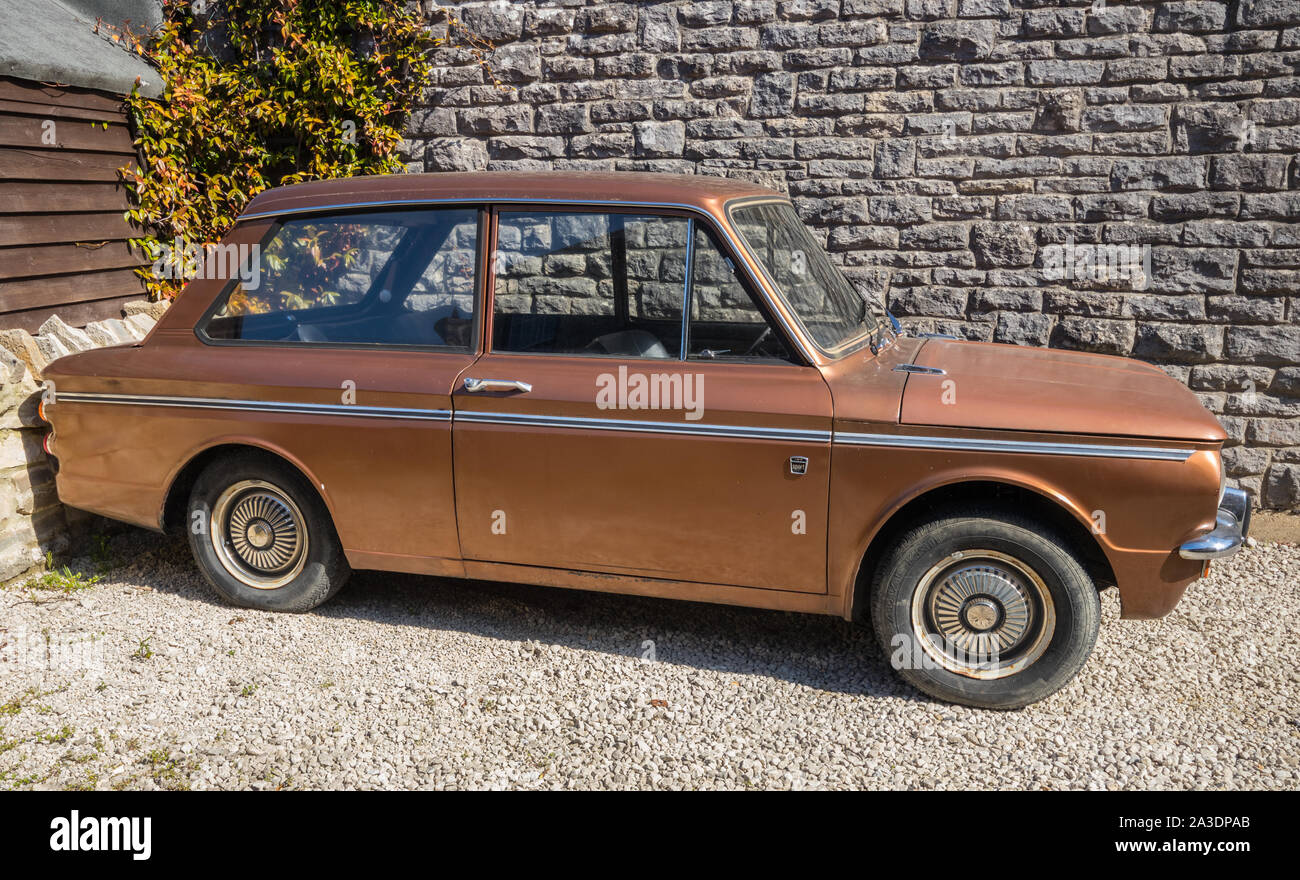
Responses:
[762,337]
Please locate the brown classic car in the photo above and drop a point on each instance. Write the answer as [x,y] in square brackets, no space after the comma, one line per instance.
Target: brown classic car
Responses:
[642,384]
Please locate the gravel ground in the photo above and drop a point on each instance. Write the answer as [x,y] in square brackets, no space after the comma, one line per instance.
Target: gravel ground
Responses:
[145,680]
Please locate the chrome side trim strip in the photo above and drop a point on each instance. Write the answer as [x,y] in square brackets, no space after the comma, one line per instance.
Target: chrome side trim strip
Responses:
[796,435]
[331,409]
[651,427]
[963,444]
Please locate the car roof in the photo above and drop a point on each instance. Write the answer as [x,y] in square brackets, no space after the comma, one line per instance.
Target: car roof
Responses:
[704,192]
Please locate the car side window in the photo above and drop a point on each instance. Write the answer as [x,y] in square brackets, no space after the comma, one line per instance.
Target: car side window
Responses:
[589,283]
[726,322]
[391,278]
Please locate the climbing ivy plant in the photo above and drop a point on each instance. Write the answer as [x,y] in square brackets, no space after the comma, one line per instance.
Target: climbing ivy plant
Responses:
[262,93]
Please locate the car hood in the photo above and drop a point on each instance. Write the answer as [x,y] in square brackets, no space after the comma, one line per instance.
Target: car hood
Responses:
[1009,387]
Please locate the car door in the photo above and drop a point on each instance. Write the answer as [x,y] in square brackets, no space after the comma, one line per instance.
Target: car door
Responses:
[585,439]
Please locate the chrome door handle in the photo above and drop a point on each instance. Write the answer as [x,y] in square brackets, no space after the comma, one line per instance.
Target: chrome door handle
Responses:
[476,386]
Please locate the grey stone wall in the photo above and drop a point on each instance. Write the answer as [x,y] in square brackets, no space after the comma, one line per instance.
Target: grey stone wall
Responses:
[941,148]
[34,526]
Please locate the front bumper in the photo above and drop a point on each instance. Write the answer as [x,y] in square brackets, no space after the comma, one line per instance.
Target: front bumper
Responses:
[1230,529]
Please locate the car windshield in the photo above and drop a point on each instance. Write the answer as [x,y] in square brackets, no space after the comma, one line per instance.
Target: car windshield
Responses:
[813,288]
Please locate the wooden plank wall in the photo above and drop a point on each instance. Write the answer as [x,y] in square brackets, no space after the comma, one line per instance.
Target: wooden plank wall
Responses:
[62,236]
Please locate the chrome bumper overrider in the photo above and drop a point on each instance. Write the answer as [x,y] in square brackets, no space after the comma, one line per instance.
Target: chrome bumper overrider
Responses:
[1231,527]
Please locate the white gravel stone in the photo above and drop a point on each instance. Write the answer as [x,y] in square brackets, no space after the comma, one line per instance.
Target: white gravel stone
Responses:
[407,682]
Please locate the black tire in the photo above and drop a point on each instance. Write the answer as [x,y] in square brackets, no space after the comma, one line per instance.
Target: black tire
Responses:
[1012,575]
[301,563]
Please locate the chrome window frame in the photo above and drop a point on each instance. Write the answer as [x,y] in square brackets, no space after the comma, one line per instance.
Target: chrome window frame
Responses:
[688,290]
[804,346]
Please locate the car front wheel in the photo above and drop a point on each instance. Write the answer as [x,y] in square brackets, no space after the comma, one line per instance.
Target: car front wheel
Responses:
[262,536]
[985,608]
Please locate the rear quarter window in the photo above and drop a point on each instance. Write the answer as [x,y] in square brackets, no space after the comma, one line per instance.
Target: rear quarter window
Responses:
[395,278]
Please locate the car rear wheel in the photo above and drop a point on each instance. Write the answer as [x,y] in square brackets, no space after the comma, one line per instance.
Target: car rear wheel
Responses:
[262,536]
[985,608]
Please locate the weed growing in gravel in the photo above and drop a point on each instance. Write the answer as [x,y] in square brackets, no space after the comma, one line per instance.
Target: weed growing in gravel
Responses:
[277,778]
[62,580]
[14,782]
[541,763]
[10,778]
[14,706]
[101,554]
[63,734]
[170,773]
[144,651]
[248,690]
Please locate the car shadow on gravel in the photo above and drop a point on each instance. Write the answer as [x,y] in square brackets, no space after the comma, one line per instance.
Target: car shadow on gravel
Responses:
[811,650]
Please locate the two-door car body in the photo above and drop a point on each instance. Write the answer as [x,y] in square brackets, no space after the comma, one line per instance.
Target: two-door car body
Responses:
[644,384]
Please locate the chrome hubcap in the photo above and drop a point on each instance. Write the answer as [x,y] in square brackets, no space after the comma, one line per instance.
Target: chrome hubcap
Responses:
[981,608]
[259,535]
[983,614]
